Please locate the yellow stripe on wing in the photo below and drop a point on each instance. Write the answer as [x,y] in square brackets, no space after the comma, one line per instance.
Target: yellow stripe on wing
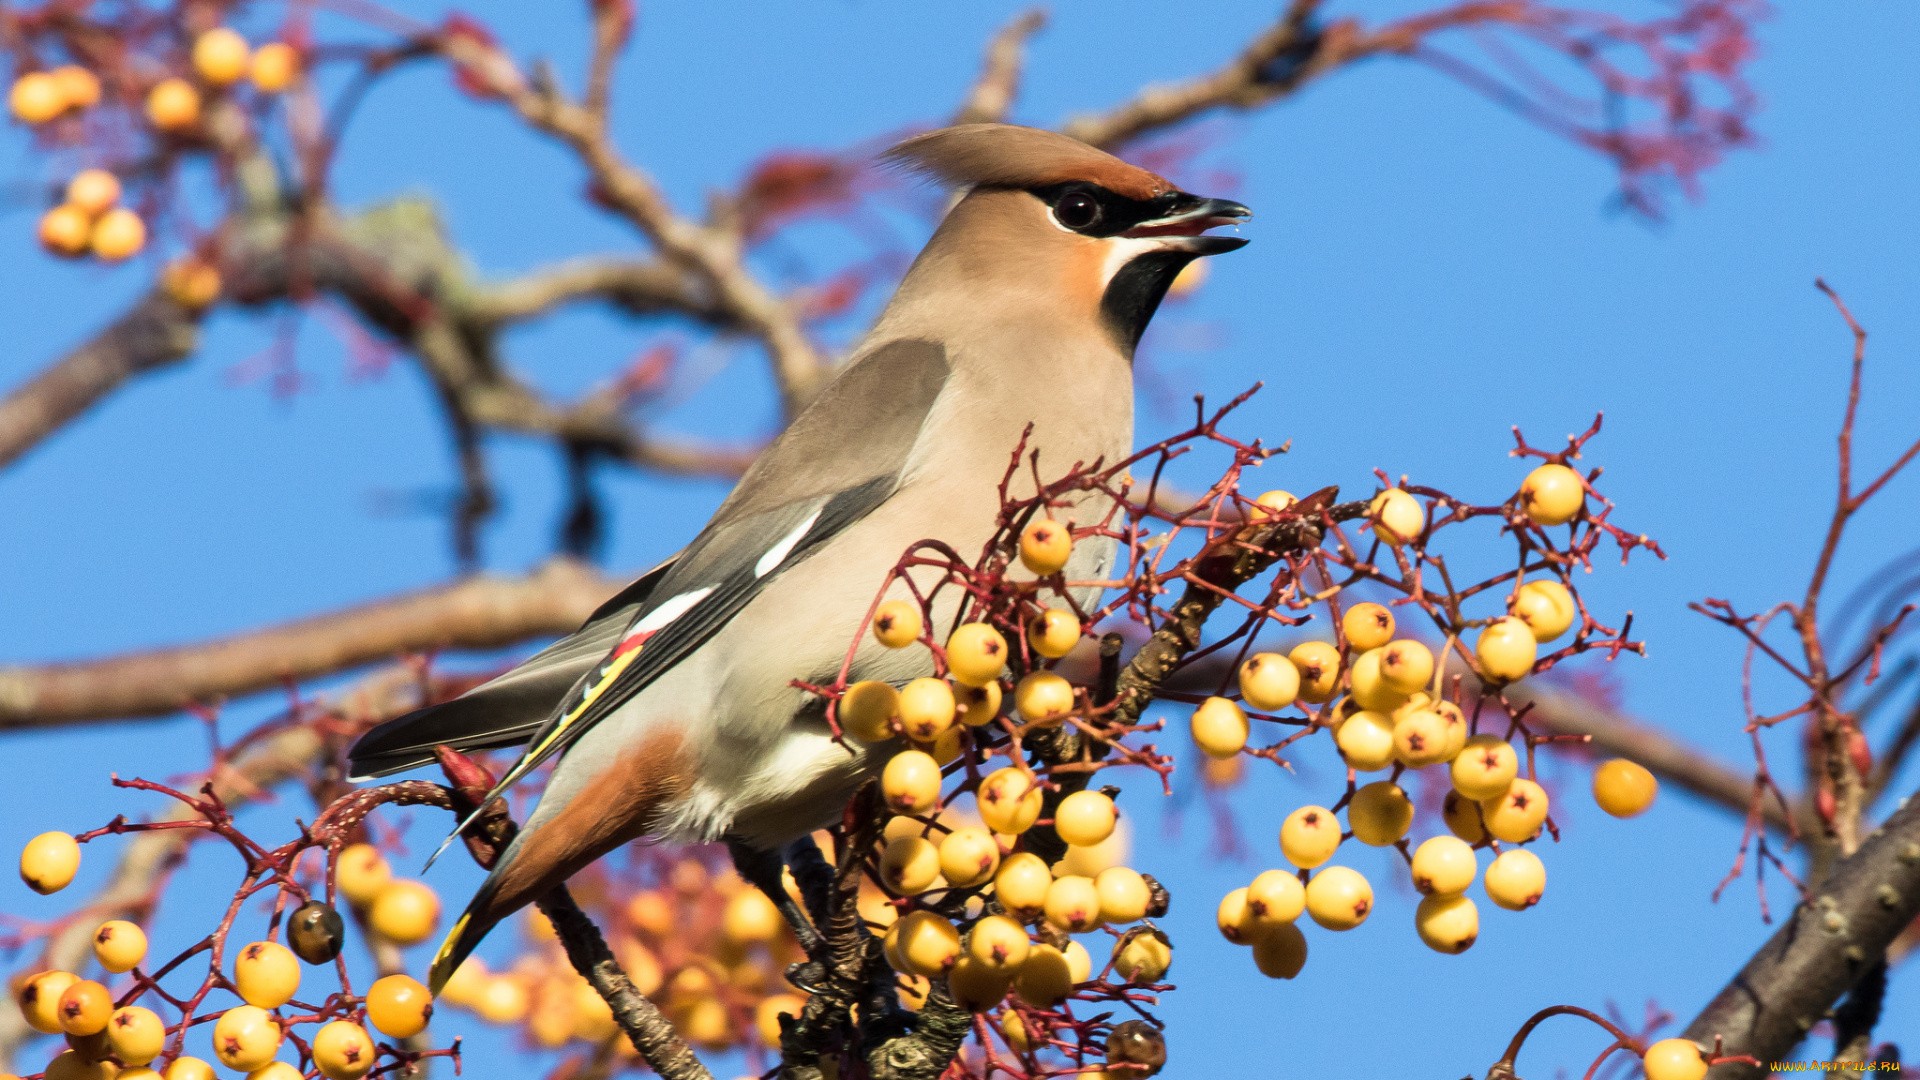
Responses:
[593,693]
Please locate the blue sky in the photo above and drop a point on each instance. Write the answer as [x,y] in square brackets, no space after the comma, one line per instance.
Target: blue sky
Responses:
[1426,271]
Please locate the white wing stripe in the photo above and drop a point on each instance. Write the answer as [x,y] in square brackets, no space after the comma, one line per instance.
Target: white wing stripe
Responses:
[779,552]
[669,611]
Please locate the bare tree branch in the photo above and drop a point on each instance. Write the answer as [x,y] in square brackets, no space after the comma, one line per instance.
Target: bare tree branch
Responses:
[994,91]
[477,613]
[1833,938]
[154,334]
[636,287]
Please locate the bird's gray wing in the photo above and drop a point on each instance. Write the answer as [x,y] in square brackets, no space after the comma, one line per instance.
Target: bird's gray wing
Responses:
[509,709]
[834,464]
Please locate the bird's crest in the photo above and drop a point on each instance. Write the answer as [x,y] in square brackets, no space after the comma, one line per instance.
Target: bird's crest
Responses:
[1007,155]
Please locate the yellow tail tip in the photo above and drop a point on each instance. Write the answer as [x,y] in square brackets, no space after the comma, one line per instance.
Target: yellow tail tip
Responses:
[444,962]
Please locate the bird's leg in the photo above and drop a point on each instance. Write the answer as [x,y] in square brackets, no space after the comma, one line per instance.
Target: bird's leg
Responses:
[763,869]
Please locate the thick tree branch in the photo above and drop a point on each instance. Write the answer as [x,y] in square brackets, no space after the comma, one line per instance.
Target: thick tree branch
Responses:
[646,1027]
[477,613]
[154,334]
[1834,937]
[636,287]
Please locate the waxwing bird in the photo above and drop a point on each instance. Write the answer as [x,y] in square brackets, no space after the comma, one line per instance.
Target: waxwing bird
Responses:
[672,710]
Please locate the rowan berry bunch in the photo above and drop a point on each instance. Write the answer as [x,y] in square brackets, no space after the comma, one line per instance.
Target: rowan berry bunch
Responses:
[994,909]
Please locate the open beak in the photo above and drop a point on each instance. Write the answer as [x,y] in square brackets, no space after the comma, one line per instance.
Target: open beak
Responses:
[1184,229]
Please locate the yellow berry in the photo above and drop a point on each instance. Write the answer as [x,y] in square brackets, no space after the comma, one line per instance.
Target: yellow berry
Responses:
[1406,665]
[1269,682]
[928,943]
[1045,979]
[1220,729]
[910,865]
[266,974]
[1506,650]
[1516,814]
[999,943]
[976,654]
[975,986]
[1275,897]
[1072,904]
[1142,957]
[1054,632]
[1448,924]
[1281,954]
[399,1006]
[274,67]
[1516,879]
[705,1024]
[220,56]
[1309,836]
[1367,626]
[1269,503]
[1623,788]
[1420,738]
[503,1000]
[1014,1029]
[137,1035]
[867,711]
[36,98]
[1443,866]
[1045,546]
[1319,666]
[1380,813]
[85,1008]
[1009,801]
[40,999]
[751,918]
[1041,697]
[897,624]
[1366,741]
[913,991]
[79,88]
[1021,885]
[93,190]
[1674,1059]
[1484,768]
[66,230]
[926,709]
[766,1015]
[1085,818]
[464,986]
[968,856]
[189,1068]
[1456,727]
[343,1050]
[118,234]
[1079,961]
[1370,688]
[1124,895]
[1462,816]
[246,1037]
[405,912]
[1546,607]
[1397,516]
[1339,898]
[978,705]
[119,945]
[49,861]
[538,927]
[1552,495]
[361,873]
[1236,920]
[911,782]
[173,105]
[79,1065]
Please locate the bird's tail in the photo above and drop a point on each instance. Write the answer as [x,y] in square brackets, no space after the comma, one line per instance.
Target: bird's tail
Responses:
[481,916]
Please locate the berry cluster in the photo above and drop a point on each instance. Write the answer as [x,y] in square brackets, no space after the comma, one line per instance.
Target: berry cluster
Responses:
[173,95]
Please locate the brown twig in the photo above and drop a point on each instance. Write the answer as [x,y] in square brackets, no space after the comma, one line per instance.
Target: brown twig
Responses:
[993,93]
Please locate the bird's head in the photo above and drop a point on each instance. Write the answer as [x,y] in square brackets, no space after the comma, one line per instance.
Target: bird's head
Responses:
[1056,214]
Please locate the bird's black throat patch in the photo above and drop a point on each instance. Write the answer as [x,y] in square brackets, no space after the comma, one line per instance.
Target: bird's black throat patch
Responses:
[1135,293]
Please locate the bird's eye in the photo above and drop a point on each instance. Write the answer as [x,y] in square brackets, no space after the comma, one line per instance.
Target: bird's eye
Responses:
[1076,210]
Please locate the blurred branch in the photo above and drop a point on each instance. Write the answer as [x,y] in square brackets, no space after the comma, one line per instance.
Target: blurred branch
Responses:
[994,91]
[1837,935]
[638,288]
[713,251]
[477,613]
[154,334]
[1614,733]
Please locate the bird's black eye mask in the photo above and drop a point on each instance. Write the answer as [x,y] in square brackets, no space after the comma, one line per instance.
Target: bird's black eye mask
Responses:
[1091,210]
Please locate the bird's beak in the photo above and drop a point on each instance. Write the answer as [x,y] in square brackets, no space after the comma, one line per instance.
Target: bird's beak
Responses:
[1184,227]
